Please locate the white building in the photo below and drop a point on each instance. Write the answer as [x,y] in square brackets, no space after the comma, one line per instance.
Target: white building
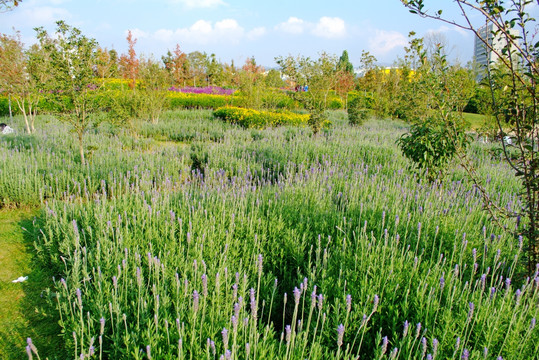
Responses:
[484,55]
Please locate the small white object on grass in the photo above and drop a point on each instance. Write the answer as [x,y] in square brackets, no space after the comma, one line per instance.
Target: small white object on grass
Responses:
[20,279]
[8,130]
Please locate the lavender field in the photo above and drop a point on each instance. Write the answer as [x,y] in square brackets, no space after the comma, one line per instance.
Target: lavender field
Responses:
[201,240]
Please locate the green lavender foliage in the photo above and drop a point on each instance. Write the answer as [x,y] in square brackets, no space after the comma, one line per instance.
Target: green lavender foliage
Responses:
[279,244]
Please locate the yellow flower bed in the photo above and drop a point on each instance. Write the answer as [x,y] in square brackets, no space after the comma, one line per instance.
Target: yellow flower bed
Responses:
[251,118]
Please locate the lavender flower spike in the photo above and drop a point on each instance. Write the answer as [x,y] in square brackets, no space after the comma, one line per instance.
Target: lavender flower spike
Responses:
[340,334]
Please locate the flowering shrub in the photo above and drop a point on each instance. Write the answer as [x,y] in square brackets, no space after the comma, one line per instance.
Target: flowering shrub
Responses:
[213,90]
[201,100]
[250,118]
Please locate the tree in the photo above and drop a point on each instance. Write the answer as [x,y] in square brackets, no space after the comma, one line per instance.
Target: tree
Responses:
[345,64]
[320,77]
[6,5]
[345,77]
[513,82]
[251,82]
[197,64]
[16,79]
[273,79]
[440,92]
[176,65]
[129,64]
[153,88]
[104,64]
[72,57]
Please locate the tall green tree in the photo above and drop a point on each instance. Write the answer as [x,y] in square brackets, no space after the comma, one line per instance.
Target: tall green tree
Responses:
[72,57]
[345,64]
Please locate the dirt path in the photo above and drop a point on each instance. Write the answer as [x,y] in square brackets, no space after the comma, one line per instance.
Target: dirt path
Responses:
[24,311]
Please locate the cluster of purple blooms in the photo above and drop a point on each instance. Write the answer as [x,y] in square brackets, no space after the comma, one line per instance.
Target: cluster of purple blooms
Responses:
[211,90]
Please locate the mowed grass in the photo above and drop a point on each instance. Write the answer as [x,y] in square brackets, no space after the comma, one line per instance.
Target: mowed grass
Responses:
[24,311]
[478,121]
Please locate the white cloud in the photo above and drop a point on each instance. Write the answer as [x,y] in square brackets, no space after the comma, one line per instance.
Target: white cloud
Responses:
[292,26]
[199,3]
[256,33]
[330,27]
[384,41]
[446,29]
[44,14]
[326,27]
[205,32]
[138,34]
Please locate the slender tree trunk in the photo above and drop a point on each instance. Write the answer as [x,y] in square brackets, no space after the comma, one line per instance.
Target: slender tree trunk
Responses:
[81,148]
[22,106]
[10,111]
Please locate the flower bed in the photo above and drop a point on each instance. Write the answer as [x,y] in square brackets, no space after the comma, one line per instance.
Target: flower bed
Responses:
[250,118]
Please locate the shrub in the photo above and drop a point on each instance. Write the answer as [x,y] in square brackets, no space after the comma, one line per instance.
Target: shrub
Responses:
[4,106]
[335,104]
[200,101]
[357,114]
[250,118]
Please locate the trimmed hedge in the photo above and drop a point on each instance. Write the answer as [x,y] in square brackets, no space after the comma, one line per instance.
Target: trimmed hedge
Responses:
[201,101]
[250,118]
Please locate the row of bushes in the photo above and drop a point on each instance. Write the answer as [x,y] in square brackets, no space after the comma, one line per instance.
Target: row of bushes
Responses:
[250,118]
[179,100]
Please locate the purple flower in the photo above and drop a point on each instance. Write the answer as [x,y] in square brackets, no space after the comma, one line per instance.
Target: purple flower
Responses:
[394,353]
[102,323]
[465,354]
[376,301]
[204,285]
[260,264]
[297,295]
[434,346]
[348,303]
[470,311]
[417,329]
[457,344]
[384,344]
[79,296]
[405,328]
[340,334]
[148,352]
[320,301]
[196,298]
[224,333]
[288,332]
[532,324]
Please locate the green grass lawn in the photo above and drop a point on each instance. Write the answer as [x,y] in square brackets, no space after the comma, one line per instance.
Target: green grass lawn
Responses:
[24,311]
[477,121]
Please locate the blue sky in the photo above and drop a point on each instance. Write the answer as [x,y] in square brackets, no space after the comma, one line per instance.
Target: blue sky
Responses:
[237,29]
